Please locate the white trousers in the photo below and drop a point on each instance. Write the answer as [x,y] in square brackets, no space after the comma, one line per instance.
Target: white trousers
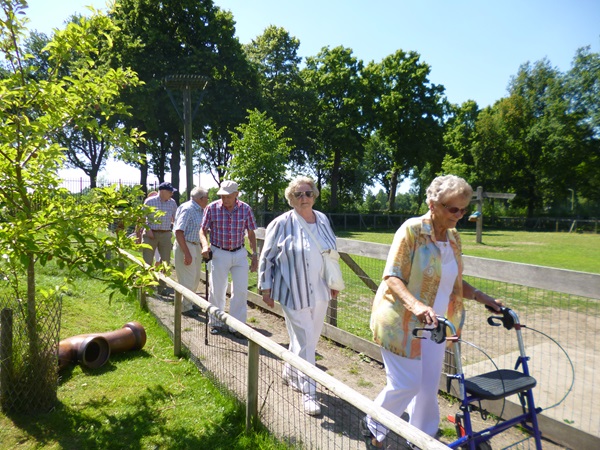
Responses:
[412,385]
[188,276]
[223,263]
[304,328]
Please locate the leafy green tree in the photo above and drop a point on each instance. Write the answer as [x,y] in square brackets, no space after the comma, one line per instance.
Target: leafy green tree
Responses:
[260,155]
[182,37]
[38,221]
[583,90]
[408,112]
[334,76]
[459,136]
[529,143]
[378,159]
[275,54]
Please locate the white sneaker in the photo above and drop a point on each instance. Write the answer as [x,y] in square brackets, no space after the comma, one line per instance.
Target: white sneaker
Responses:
[291,379]
[311,407]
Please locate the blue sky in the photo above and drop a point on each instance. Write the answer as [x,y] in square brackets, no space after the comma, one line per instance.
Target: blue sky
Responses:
[472,46]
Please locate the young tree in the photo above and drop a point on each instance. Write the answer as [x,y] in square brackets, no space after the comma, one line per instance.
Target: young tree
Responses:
[260,154]
[38,221]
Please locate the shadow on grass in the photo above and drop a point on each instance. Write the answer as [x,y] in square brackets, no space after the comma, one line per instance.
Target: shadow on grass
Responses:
[139,424]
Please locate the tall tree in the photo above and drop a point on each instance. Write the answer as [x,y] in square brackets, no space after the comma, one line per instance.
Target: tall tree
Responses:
[583,90]
[408,112]
[275,53]
[182,37]
[529,143]
[340,128]
[459,136]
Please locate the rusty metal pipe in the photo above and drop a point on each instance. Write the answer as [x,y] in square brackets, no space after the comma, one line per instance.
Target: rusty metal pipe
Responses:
[93,350]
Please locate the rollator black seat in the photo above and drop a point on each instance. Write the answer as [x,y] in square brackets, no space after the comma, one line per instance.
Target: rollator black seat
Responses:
[499,384]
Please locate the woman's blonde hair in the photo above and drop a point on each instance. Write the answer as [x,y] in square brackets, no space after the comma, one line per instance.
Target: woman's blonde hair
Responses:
[448,186]
[291,188]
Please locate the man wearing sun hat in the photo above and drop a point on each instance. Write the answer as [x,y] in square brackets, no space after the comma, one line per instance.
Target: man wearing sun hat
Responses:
[157,233]
[227,220]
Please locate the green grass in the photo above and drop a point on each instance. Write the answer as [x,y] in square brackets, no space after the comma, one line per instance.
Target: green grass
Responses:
[146,399]
[571,251]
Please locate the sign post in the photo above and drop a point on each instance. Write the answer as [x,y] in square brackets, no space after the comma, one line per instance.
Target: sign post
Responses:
[478,200]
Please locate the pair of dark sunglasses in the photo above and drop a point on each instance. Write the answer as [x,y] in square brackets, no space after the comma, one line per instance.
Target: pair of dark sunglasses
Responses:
[309,194]
[454,209]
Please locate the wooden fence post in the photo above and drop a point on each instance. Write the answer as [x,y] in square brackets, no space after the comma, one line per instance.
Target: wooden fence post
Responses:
[177,325]
[252,392]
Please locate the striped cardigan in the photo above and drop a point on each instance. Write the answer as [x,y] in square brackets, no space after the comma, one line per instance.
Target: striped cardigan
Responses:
[283,259]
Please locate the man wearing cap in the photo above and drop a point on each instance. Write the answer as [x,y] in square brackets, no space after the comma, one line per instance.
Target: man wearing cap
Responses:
[188,252]
[227,220]
[158,229]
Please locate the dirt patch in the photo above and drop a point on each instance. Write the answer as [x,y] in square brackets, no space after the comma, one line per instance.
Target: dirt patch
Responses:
[368,378]
[360,373]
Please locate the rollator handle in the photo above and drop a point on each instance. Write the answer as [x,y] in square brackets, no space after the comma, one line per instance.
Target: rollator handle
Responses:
[438,334]
[507,319]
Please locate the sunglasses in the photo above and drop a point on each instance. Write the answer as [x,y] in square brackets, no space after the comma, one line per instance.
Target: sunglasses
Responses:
[308,194]
[454,209]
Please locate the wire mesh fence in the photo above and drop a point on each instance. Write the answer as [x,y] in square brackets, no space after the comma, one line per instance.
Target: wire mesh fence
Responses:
[28,355]
[559,335]
[225,359]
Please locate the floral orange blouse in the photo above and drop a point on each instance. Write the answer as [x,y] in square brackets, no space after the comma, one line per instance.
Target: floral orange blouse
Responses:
[416,260]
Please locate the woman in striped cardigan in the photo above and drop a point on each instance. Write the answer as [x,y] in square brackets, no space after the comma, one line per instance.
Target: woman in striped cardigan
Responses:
[290,273]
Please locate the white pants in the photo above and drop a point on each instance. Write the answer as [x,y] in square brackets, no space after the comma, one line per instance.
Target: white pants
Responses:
[223,263]
[412,384]
[304,327]
[188,275]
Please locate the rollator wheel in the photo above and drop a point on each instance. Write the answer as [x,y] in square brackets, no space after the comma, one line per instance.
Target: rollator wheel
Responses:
[481,446]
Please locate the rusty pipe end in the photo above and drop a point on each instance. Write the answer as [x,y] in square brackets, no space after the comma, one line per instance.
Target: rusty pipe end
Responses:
[93,352]
[139,333]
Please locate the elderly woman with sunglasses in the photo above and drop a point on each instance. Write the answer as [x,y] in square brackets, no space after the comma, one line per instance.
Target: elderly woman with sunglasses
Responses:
[422,279]
[289,272]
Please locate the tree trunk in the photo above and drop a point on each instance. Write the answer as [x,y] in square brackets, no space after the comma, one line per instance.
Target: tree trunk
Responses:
[143,168]
[393,189]
[335,180]
[31,310]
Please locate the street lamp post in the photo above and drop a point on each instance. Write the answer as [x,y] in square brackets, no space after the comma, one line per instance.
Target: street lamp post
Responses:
[186,83]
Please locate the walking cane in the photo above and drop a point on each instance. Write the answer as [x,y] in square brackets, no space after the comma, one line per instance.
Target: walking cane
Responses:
[206,260]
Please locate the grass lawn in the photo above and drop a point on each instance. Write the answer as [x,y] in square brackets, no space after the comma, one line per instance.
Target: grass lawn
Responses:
[146,399]
[560,250]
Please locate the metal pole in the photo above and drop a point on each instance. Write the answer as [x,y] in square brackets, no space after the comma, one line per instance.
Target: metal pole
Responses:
[187,136]
[479,227]
[572,198]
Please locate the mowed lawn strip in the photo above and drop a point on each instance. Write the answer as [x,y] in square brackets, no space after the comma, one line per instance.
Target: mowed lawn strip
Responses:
[145,399]
[572,251]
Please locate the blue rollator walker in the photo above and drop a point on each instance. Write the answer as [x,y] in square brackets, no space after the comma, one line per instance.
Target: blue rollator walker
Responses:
[495,385]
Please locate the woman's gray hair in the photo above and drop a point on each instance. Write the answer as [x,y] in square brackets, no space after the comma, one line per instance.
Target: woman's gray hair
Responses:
[198,193]
[289,191]
[448,186]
